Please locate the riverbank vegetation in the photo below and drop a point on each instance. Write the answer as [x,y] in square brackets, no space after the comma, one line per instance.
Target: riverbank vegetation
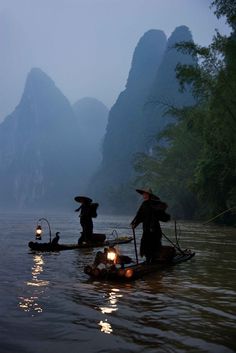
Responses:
[194,160]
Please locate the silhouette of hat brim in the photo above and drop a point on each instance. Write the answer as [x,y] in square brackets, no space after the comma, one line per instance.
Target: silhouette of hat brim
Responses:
[82,199]
[148,191]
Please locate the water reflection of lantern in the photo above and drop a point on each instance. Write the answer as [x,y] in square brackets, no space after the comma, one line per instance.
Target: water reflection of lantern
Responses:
[105,327]
[113,296]
[36,288]
[39,230]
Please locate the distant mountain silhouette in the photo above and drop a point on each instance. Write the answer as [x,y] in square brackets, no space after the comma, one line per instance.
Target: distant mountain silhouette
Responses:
[137,114]
[165,91]
[39,144]
[91,116]
[49,149]
[121,140]
[123,130]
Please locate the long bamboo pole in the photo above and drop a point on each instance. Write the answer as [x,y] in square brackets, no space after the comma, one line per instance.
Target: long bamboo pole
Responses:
[135,245]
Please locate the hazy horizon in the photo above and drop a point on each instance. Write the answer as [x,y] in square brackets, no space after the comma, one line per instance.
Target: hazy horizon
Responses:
[86,47]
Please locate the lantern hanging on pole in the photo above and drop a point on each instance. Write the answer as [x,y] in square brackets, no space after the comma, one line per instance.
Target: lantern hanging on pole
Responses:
[38,232]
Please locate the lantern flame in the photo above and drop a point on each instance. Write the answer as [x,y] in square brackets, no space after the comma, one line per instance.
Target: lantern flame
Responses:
[39,230]
[111,255]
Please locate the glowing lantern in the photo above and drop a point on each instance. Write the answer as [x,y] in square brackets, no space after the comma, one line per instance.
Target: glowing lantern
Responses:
[38,232]
[111,256]
[129,273]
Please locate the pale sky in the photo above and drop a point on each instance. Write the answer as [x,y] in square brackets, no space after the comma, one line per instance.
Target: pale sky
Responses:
[86,46]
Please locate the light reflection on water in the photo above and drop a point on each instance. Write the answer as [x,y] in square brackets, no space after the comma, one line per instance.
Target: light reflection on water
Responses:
[48,304]
[113,297]
[32,303]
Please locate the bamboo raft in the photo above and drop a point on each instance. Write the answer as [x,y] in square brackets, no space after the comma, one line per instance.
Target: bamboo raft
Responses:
[35,246]
[133,272]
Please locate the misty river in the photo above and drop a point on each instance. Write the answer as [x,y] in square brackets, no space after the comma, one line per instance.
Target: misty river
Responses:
[48,304]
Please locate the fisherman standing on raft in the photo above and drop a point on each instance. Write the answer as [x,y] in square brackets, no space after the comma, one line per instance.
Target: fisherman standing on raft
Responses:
[151,211]
[87,213]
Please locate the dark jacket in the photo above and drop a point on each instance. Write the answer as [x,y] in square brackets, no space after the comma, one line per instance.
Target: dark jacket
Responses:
[150,213]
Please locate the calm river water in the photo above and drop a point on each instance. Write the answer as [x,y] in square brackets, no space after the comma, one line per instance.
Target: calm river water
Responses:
[49,305]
